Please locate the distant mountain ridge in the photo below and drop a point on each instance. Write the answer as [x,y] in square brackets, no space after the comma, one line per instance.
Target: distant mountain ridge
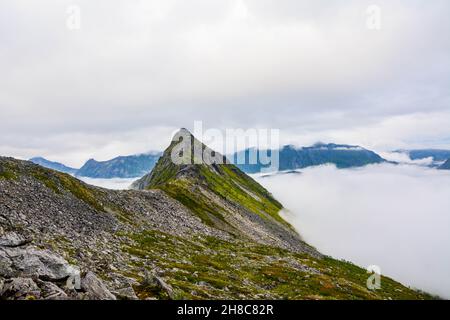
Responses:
[133,166]
[446,165]
[419,154]
[291,157]
[53,165]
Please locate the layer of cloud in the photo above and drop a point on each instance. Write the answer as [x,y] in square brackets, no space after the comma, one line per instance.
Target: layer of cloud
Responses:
[309,67]
[395,217]
[113,184]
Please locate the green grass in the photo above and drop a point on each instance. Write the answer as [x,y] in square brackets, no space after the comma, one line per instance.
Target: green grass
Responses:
[80,190]
[56,181]
[8,171]
[206,267]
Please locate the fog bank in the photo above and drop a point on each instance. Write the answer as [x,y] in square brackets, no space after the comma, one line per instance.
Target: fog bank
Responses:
[113,184]
[396,217]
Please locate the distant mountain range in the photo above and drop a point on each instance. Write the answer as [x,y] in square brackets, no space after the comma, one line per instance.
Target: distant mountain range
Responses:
[438,155]
[134,166]
[291,158]
[446,165]
[53,165]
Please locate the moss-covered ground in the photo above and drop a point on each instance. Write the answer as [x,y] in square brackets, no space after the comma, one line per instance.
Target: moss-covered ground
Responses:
[206,268]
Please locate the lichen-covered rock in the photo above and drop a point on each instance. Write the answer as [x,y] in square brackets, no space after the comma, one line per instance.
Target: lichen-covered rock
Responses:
[126,293]
[20,288]
[50,291]
[164,286]
[12,239]
[95,288]
[6,265]
[42,264]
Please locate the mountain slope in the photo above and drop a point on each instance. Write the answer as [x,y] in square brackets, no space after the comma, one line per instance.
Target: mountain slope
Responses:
[134,166]
[53,165]
[291,158]
[446,165]
[222,196]
[147,244]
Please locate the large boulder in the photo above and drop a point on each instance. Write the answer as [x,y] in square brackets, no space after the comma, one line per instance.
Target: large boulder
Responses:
[32,262]
[39,263]
[12,239]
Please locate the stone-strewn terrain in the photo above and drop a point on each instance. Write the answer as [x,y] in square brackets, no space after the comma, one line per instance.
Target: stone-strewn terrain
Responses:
[63,239]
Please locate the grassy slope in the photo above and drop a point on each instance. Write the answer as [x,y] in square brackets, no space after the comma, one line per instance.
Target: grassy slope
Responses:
[224,180]
[206,268]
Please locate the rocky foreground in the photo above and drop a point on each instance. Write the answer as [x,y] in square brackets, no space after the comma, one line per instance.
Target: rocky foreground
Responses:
[191,232]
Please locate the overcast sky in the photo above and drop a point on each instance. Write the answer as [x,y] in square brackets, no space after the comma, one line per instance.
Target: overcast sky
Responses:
[137,70]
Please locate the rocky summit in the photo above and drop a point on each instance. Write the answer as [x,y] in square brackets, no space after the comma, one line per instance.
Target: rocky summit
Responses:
[188,231]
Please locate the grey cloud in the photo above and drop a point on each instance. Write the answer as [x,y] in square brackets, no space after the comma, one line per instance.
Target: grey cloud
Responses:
[303,66]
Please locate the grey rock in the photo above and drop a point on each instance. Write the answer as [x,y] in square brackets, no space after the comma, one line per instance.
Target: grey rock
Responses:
[126,293]
[164,286]
[50,291]
[39,263]
[20,288]
[95,288]
[12,239]
[6,266]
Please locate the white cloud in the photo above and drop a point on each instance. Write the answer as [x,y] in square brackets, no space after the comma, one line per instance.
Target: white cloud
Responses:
[395,217]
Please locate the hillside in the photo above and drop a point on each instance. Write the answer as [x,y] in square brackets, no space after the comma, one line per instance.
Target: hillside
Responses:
[223,197]
[291,158]
[200,231]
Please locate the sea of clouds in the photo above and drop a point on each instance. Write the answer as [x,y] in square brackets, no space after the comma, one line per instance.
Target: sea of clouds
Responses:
[113,184]
[393,216]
